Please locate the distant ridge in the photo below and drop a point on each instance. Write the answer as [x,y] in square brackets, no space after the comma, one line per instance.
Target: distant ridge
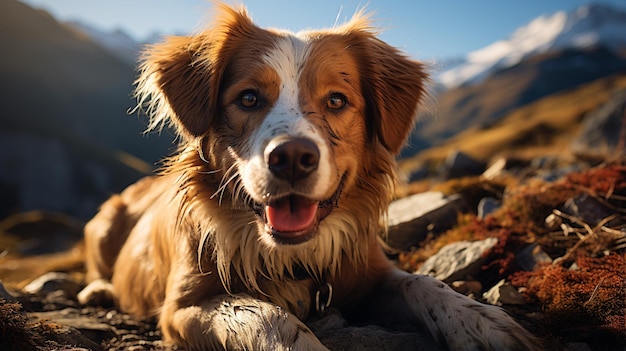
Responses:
[587,26]
[66,137]
[549,55]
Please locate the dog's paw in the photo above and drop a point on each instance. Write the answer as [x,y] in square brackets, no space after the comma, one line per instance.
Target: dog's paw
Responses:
[98,293]
[462,323]
[486,327]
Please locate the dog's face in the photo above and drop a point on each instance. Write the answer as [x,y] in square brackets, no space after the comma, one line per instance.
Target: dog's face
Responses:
[291,122]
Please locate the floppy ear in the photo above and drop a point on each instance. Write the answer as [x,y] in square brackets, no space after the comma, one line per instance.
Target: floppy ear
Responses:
[180,78]
[178,86]
[393,86]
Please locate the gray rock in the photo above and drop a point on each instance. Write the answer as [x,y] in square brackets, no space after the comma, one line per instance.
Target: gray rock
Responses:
[601,128]
[53,281]
[589,209]
[504,294]
[458,260]
[505,165]
[531,256]
[486,206]
[459,164]
[412,218]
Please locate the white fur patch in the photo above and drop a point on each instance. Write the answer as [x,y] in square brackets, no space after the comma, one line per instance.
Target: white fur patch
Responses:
[285,120]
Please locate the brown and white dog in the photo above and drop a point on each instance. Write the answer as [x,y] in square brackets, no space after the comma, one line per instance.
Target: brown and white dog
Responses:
[274,204]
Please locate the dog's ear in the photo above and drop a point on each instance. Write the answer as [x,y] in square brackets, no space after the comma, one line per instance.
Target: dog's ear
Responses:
[180,78]
[393,86]
[178,86]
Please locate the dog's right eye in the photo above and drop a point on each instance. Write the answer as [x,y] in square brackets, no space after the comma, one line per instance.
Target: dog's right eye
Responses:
[248,99]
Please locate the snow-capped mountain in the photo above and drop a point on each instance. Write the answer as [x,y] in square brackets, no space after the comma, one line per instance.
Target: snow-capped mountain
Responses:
[588,26]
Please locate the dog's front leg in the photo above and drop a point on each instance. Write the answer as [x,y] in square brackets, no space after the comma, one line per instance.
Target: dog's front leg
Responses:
[237,322]
[454,320]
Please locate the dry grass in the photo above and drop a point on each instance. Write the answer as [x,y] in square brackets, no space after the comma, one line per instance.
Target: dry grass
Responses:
[547,126]
[585,287]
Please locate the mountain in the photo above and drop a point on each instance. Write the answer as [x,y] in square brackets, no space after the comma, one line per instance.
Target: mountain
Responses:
[588,26]
[67,141]
[550,62]
[117,42]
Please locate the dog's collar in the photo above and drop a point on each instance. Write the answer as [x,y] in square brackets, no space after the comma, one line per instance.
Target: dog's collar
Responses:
[322,292]
[299,273]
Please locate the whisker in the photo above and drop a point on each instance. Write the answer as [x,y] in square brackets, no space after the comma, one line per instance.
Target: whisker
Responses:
[226,179]
[214,171]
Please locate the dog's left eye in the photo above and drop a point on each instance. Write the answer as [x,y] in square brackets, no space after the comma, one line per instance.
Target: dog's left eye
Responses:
[249,99]
[336,101]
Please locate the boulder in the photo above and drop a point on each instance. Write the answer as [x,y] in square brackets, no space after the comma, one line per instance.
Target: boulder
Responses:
[412,218]
[458,260]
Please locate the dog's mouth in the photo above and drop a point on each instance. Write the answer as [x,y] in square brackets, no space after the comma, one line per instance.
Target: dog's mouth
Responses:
[293,219]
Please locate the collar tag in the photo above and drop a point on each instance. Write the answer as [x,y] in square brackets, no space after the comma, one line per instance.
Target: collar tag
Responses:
[323,297]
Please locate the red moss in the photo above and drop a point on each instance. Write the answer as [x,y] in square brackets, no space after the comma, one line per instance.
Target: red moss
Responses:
[604,180]
[596,291]
[585,304]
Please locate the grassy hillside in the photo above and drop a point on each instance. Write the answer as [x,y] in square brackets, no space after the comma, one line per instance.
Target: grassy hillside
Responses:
[547,126]
[56,82]
[485,103]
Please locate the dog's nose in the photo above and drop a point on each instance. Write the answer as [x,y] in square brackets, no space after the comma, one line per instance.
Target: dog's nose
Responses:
[294,159]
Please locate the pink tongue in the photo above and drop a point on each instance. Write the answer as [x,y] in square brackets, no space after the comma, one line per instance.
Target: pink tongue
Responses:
[291,214]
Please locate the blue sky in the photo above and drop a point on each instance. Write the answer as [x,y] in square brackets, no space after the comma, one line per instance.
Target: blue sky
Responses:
[425,29]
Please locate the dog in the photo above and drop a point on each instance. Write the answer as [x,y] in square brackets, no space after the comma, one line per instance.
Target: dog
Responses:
[274,205]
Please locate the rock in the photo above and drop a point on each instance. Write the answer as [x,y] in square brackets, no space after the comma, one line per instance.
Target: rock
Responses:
[5,294]
[601,128]
[459,164]
[486,206]
[504,294]
[72,317]
[53,281]
[589,210]
[502,165]
[495,169]
[531,256]
[467,287]
[412,218]
[458,260]
[553,222]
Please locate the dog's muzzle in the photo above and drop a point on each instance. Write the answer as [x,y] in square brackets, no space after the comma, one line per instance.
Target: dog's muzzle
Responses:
[293,218]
